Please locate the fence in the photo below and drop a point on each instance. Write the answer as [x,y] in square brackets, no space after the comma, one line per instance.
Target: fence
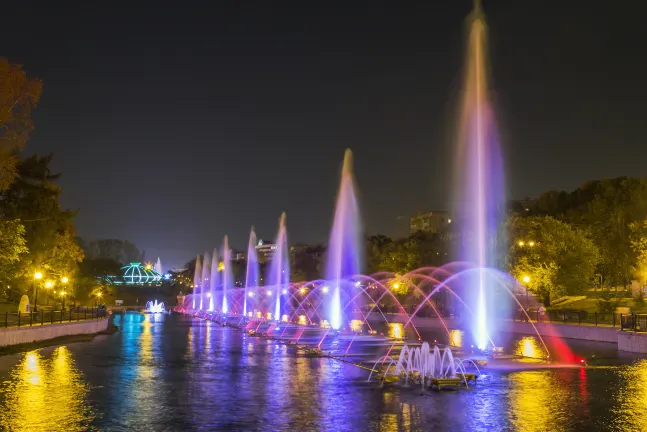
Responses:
[43,317]
[634,322]
[571,317]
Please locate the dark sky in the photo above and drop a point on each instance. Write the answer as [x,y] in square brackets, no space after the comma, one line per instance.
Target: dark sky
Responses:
[178,123]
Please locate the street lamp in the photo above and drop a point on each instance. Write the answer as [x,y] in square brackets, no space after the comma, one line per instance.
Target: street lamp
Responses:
[63,297]
[98,298]
[37,276]
[525,280]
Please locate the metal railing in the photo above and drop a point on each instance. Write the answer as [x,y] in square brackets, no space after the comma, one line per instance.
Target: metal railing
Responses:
[634,322]
[612,319]
[45,317]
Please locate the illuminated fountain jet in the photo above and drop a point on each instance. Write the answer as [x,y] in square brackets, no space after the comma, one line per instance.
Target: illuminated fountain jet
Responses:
[251,275]
[278,276]
[197,276]
[344,250]
[154,307]
[227,277]
[479,176]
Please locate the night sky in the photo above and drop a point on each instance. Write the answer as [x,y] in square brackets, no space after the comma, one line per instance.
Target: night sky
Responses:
[176,124]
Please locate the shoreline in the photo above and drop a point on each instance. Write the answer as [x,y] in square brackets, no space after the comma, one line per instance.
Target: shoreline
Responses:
[59,340]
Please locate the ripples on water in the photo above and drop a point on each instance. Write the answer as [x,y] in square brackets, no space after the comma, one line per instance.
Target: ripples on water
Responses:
[174,373]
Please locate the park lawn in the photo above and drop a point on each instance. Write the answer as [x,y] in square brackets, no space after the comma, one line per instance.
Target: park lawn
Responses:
[592,305]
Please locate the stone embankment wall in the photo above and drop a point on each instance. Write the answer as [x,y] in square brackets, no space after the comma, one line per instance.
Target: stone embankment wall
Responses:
[21,335]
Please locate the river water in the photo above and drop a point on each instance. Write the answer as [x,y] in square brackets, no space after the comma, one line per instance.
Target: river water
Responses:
[172,373]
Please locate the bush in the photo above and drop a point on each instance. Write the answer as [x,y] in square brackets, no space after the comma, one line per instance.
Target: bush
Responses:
[640,299]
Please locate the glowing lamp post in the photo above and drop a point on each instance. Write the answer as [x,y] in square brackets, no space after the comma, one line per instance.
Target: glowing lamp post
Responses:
[526,280]
[37,277]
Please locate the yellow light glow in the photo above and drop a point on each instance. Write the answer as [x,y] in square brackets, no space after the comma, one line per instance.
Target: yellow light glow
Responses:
[284,318]
[531,244]
[268,315]
[38,275]
[48,284]
[521,243]
[356,325]
[396,330]
[99,294]
[456,338]
[302,290]
[302,319]
[148,266]
[324,324]
[63,293]
[221,266]
[526,279]
[396,285]
[64,279]
[259,315]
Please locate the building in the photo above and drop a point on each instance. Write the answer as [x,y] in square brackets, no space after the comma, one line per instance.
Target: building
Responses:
[265,251]
[429,222]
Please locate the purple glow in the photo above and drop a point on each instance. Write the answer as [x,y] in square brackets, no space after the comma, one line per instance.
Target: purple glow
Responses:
[251,275]
[197,275]
[278,276]
[227,277]
[344,252]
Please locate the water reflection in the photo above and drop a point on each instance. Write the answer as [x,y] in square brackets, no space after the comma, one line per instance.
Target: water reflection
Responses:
[45,392]
[178,373]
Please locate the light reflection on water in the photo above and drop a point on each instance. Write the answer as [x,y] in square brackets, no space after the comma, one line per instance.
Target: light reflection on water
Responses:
[174,373]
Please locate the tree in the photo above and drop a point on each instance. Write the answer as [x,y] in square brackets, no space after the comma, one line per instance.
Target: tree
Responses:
[307,262]
[120,251]
[638,237]
[12,247]
[561,260]
[32,200]
[18,95]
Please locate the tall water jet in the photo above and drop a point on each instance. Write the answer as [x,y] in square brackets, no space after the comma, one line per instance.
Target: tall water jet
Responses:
[213,279]
[197,276]
[251,273]
[204,283]
[479,171]
[344,255]
[227,275]
[278,276]
[158,266]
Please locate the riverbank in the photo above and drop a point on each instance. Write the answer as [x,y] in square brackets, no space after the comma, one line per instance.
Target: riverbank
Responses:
[61,340]
[27,335]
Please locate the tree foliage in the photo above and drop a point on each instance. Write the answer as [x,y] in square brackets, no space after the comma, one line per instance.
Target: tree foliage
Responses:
[120,251]
[561,261]
[18,95]
[50,239]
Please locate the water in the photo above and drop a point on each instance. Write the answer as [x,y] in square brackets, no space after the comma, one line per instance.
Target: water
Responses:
[278,275]
[479,176]
[227,276]
[344,250]
[214,279]
[251,272]
[197,284]
[169,372]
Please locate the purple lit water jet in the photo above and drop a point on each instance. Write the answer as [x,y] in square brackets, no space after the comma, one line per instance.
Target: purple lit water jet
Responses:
[197,276]
[278,276]
[344,251]
[251,274]
[480,175]
[227,276]
[214,279]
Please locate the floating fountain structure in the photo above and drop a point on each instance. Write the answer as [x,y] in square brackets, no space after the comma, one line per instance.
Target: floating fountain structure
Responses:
[154,307]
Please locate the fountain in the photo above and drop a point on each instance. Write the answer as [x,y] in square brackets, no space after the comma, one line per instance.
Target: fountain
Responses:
[227,277]
[251,274]
[158,266]
[213,279]
[197,276]
[204,282]
[154,307]
[479,175]
[344,255]
[278,276]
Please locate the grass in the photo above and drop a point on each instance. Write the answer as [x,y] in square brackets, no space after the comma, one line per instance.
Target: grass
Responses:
[61,340]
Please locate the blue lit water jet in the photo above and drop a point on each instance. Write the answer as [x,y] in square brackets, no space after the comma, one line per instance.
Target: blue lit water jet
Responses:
[251,274]
[344,255]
